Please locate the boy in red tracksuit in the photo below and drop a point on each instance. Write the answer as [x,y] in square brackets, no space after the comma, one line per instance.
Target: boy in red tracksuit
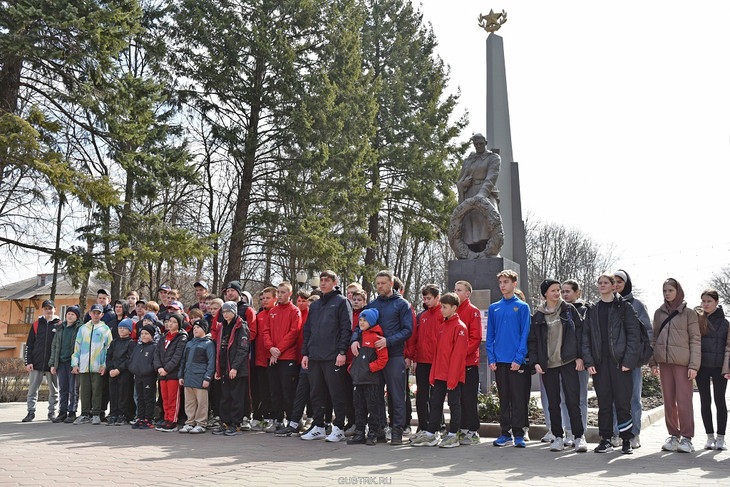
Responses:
[261,414]
[280,334]
[365,372]
[422,345]
[472,318]
[447,376]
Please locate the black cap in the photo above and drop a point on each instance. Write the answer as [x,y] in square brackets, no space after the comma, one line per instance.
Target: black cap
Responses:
[545,285]
[96,307]
[140,301]
[48,302]
[202,323]
[103,291]
[202,284]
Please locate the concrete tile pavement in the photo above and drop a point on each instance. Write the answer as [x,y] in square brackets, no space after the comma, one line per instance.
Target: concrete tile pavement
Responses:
[42,453]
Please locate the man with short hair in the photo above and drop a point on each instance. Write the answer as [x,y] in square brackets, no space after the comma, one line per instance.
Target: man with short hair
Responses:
[324,353]
[37,358]
[423,349]
[396,320]
[280,336]
[509,327]
[129,307]
[471,317]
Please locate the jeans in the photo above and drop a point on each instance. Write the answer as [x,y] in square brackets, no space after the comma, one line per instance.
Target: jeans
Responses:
[67,388]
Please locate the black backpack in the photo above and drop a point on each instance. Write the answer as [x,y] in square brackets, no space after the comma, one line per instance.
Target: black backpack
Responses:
[645,350]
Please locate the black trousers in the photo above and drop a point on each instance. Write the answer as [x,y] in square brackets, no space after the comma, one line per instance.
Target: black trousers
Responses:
[470,399]
[214,397]
[367,407]
[105,394]
[233,394]
[325,377]
[260,394]
[146,387]
[423,395]
[438,394]
[283,377]
[513,387]
[613,390]
[719,386]
[120,393]
[349,400]
[571,388]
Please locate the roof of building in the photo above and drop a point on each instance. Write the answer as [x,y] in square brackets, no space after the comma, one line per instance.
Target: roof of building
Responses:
[3,348]
[31,287]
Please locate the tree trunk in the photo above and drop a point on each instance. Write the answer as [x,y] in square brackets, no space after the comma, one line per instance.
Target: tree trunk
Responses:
[10,83]
[54,284]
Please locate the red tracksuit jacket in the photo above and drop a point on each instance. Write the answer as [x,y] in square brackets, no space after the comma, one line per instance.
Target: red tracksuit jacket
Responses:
[282,329]
[471,317]
[449,363]
[423,341]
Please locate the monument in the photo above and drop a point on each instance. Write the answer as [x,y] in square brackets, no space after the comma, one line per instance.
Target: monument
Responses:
[487,233]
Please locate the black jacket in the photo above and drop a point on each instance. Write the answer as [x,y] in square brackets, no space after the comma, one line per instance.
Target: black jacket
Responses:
[141,363]
[119,353]
[38,344]
[572,336]
[623,331]
[713,343]
[236,342]
[170,358]
[328,327]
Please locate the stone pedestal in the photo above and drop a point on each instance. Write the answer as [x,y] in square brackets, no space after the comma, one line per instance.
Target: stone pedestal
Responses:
[482,275]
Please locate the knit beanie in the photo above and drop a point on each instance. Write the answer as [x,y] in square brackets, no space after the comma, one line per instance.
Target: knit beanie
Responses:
[76,310]
[149,329]
[126,323]
[371,316]
[545,285]
[202,324]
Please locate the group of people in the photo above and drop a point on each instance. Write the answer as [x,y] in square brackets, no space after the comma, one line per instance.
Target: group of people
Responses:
[223,366]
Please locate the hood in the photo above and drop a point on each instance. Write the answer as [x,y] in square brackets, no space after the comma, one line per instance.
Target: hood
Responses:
[628,287]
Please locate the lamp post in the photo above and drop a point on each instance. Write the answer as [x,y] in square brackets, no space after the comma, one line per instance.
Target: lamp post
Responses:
[301,277]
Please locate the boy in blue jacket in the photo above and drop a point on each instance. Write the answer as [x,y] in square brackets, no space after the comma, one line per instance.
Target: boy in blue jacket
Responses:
[196,373]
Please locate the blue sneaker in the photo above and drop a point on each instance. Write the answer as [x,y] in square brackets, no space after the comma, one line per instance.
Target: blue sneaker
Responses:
[503,441]
[520,442]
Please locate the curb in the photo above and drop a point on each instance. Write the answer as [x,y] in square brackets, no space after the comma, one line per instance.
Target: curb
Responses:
[493,430]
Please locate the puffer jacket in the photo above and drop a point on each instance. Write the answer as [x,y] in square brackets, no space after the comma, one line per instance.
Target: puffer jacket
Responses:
[680,342]
[198,362]
[716,341]
[141,362]
[623,331]
[169,358]
[92,341]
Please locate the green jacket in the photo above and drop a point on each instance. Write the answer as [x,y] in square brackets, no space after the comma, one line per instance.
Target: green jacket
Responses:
[59,342]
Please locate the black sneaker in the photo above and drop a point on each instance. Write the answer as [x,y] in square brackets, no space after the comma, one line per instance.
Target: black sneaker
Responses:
[111,421]
[60,418]
[358,438]
[220,430]
[626,447]
[396,436]
[233,431]
[29,417]
[52,417]
[604,446]
[371,440]
[286,431]
[70,418]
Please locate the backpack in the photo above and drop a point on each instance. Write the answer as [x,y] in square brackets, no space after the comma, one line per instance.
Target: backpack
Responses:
[645,350]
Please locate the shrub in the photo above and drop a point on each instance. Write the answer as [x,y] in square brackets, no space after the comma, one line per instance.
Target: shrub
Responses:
[13,379]
[488,406]
[650,384]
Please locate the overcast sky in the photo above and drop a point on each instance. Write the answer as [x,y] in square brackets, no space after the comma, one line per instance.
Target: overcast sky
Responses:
[620,118]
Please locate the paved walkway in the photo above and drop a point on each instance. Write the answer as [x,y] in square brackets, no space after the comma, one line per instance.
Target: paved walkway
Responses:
[42,453]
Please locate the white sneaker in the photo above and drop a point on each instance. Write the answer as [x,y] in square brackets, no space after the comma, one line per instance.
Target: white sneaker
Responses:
[387,433]
[720,443]
[685,445]
[316,433]
[185,429]
[246,424]
[635,442]
[548,438]
[336,435]
[197,430]
[615,441]
[569,441]
[557,444]
[580,444]
[710,443]
[96,420]
[257,425]
[671,444]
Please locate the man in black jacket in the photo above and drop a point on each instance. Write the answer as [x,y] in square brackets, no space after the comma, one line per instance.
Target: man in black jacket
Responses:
[324,352]
[37,356]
